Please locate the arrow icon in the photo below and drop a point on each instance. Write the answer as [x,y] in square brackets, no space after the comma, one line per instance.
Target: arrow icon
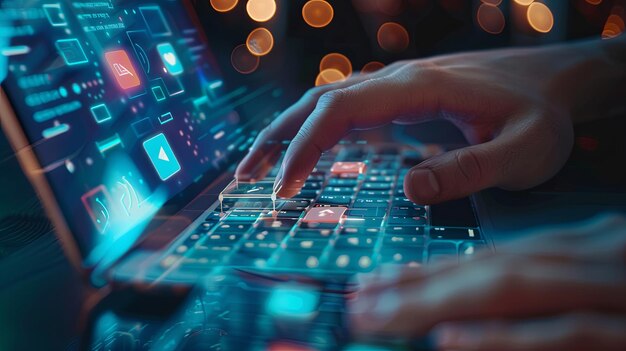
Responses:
[254,190]
[325,213]
[163,155]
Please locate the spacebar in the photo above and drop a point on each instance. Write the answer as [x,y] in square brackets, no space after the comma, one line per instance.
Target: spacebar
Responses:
[456,213]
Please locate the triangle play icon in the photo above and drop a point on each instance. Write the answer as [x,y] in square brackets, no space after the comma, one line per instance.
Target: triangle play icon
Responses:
[163,155]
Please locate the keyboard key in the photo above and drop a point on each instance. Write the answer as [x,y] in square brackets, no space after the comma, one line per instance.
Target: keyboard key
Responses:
[368,222]
[334,200]
[324,215]
[407,221]
[281,224]
[308,245]
[379,178]
[307,194]
[338,191]
[252,256]
[360,231]
[238,215]
[359,203]
[226,228]
[214,216]
[348,168]
[455,234]
[373,194]
[400,230]
[456,213]
[408,211]
[413,256]
[269,235]
[298,260]
[281,214]
[469,250]
[342,182]
[403,240]
[293,205]
[381,173]
[312,233]
[355,242]
[367,212]
[376,186]
[353,260]
[312,186]
[222,239]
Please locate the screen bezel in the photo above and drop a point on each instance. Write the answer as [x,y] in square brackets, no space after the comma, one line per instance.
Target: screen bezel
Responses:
[30,164]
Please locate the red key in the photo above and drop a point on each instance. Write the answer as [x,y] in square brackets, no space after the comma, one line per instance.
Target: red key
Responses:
[324,215]
[348,168]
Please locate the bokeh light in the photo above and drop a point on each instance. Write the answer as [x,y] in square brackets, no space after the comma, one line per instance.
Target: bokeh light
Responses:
[540,17]
[524,2]
[223,5]
[613,27]
[372,67]
[392,37]
[261,10]
[329,76]
[317,13]
[337,61]
[594,2]
[490,18]
[243,61]
[260,42]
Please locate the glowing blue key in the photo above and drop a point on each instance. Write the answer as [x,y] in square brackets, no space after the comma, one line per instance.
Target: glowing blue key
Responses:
[292,303]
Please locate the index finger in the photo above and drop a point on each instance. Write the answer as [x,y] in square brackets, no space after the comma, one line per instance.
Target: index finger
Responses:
[265,150]
[366,105]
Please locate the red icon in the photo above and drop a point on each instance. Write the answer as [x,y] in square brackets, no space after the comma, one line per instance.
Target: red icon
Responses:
[122,68]
[324,215]
[348,168]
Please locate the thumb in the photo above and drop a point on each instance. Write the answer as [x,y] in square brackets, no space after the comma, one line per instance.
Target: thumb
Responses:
[513,161]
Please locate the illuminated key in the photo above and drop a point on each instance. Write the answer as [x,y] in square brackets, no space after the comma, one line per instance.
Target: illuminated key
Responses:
[324,215]
[348,168]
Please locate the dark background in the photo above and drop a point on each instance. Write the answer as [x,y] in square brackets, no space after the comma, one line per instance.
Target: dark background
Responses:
[41,296]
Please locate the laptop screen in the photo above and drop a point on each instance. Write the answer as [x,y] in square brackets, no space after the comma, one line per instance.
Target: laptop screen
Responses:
[122,105]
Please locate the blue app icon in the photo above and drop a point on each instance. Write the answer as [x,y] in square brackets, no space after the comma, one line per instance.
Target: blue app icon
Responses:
[170,59]
[162,156]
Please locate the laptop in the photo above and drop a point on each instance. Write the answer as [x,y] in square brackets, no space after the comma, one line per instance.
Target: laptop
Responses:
[123,122]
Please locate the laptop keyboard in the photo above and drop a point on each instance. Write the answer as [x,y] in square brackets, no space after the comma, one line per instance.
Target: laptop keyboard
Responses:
[351,216]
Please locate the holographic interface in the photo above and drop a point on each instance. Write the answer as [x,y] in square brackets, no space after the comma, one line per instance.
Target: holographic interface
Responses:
[123,106]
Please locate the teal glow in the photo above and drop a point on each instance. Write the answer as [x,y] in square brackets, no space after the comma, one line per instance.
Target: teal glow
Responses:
[76,88]
[292,302]
[132,206]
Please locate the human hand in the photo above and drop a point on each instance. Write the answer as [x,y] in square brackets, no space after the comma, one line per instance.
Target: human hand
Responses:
[514,105]
[562,289]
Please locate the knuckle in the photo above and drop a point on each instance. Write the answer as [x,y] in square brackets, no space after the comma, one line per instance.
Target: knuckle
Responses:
[314,93]
[331,100]
[469,164]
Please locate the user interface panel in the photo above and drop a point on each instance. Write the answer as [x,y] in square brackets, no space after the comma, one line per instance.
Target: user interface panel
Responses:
[123,106]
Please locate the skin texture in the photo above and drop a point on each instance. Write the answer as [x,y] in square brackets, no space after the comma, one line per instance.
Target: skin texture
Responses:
[562,289]
[569,295]
[516,106]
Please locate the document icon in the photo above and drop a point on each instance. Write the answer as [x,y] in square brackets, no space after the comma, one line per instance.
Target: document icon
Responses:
[122,69]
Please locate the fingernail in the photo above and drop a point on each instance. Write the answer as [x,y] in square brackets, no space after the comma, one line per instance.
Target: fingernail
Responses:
[424,183]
